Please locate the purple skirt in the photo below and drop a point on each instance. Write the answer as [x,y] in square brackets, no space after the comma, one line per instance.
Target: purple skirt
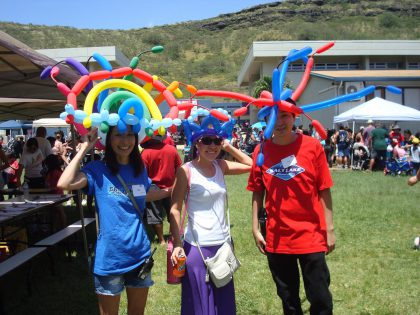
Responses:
[199,297]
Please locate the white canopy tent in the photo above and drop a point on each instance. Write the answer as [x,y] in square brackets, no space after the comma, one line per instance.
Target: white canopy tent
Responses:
[52,125]
[379,109]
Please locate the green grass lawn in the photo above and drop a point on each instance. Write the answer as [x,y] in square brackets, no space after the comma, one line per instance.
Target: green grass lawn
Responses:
[374,269]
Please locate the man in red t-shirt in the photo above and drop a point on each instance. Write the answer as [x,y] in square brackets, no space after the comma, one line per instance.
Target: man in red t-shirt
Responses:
[161,161]
[296,183]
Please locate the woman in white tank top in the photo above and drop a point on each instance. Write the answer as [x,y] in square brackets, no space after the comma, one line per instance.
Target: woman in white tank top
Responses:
[207,223]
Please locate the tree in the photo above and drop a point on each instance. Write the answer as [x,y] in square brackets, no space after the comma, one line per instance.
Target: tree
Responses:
[261,85]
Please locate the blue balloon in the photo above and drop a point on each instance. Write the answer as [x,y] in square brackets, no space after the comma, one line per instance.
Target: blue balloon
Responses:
[271,122]
[260,159]
[45,73]
[69,109]
[113,119]
[394,89]
[343,98]
[63,115]
[275,85]
[136,128]
[210,120]
[127,105]
[130,119]
[104,114]
[79,115]
[102,61]
[194,127]
[264,112]
[299,54]
[187,131]
[287,93]
[122,127]
[96,119]
[227,129]
[283,72]
[101,98]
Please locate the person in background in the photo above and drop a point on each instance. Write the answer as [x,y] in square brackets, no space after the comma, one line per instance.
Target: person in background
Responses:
[161,161]
[11,171]
[203,178]
[378,143]
[122,245]
[19,146]
[296,182]
[367,133]
[396,134]
[360,133]
[43,144]
[398,152]
[342,141]
[415,154]
[167,139]
[408,138]
[31,161]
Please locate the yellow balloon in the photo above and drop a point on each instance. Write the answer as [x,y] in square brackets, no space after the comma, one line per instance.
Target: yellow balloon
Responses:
[128,85]
[149,85]
[87,122]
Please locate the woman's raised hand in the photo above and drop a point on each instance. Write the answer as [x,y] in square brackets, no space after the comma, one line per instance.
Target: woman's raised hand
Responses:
[89,140]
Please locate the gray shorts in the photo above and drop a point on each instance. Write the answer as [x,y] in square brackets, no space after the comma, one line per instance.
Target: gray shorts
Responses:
[156,211]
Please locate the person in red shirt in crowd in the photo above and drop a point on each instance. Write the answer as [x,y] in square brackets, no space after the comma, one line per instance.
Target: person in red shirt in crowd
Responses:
[168,139]
[11,171]
[161,161]
[396,134]
[295,181]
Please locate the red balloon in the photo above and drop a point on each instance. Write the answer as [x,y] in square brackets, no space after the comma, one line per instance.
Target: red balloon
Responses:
[263,102]
[185,106]
[69,119]
[289,107]
[142,75]
[55,71]
[240,111]
[121,72]
[100,75]
[159,86]
[225,94]
[304,81]
[71,99]
[170,99]
[219,115]
[324,48]
[63,89]
[320,129]
[266,94]
[80,84]
[173,112]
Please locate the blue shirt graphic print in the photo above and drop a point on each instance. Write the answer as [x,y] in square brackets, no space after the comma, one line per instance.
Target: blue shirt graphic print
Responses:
[285,172]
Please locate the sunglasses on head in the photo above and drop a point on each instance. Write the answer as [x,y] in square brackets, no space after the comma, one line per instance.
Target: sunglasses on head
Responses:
[209,140]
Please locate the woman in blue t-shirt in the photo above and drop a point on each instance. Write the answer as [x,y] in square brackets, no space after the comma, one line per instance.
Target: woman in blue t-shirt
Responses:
[122,245]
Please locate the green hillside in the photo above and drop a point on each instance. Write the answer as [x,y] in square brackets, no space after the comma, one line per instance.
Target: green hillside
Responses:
[209,53]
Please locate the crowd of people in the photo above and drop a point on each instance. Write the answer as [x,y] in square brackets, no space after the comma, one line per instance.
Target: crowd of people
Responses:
[136,187]
[370,148]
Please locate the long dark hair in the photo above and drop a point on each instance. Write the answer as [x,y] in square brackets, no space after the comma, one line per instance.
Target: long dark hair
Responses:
[111,159]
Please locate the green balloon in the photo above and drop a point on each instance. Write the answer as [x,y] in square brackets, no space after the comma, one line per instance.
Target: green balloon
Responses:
[112,102]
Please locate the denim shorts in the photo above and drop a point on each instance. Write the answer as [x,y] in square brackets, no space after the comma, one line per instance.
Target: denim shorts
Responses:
[114,285]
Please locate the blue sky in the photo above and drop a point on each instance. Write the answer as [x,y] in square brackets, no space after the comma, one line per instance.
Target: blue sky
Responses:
[116,14]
